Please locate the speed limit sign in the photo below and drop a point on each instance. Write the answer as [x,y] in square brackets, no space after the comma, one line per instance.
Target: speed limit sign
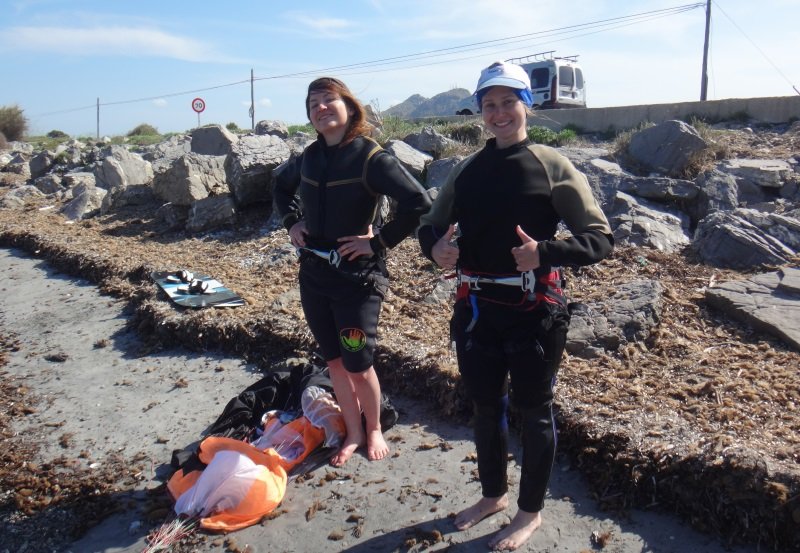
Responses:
[198,105]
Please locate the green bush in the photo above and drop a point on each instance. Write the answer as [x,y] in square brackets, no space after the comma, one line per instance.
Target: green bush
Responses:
[3,142]
[57,134]
[233,127]
[13,124]
[543,135]
[144,130]
[307,128]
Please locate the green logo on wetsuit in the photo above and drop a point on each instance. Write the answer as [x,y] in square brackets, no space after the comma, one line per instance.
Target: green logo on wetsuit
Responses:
[352,339]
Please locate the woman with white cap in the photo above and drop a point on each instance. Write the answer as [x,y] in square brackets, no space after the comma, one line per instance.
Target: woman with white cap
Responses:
[510,318]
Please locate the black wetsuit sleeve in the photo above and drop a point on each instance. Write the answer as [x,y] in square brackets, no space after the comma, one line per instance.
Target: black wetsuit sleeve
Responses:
[386,176]
[284,198]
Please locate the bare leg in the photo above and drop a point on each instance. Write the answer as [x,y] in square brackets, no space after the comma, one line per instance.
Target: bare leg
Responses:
[368,392]
[351,412]
[483,508]
[517,533]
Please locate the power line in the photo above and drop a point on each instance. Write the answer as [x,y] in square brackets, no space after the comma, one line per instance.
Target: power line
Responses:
[644,16]
[757,48]
[601,25]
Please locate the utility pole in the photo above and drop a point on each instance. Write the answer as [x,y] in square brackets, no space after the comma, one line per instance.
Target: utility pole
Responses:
[98,118]
[252,104]
[704,77]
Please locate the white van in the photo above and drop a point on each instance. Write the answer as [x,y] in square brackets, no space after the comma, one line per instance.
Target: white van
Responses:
[556,82]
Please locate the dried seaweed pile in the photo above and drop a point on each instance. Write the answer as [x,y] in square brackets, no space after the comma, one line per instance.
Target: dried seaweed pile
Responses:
[701,418]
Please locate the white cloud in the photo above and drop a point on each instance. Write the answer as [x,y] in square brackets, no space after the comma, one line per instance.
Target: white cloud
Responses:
[331,27]
[160,102]
[110,41]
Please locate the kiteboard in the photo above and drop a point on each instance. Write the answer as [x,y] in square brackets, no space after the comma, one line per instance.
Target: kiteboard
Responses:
[187,289]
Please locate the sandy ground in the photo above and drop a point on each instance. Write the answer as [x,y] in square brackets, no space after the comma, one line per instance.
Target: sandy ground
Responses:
[100,388]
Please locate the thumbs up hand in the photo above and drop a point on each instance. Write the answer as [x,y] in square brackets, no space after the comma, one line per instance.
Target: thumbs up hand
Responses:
[445,252]
[526,255]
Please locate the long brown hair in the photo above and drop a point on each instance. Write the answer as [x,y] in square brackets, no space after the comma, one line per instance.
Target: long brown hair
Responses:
[357,124]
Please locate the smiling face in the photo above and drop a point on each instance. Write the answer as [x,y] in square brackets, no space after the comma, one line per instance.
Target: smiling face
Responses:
[329,115]
[504,115]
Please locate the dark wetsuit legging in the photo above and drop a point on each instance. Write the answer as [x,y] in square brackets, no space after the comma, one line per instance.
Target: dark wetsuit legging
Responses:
[525,346]
[342,311]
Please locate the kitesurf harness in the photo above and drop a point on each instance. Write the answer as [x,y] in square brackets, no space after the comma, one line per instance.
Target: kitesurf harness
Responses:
[536,286]
[331,256]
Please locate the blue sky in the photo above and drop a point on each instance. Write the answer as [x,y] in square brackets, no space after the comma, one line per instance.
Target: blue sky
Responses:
[147,60]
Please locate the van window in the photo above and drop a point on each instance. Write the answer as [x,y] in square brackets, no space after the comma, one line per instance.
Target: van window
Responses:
[565,76]
[540,77]
[579,77]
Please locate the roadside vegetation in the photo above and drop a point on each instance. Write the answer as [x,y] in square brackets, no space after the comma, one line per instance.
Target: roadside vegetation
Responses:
[13,123]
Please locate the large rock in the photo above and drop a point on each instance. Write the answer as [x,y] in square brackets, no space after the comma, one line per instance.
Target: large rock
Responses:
[249,167]
[119,167]
[18,197]
[429,141]
[213,140]
[410,158]
[439,170]
[135,194]
[41,163]
[725,239]
[211,212]
[768,302]
[85,204]
[667,148]
[274,128]
[627,315]
[191,177]
[767,173]
[639,223]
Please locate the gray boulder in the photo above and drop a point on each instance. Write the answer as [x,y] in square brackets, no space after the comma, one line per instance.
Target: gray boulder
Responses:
[768,302]
[19,196]
[640,223]
[725,239]
[273,128]
[667,148]
[629,314]
[49,184]
[41,163]
[85,204]
[119,167]
[191,177]
[211,212]
[766,173]
[439,170]
[213,140]
[249,167]
[429,141]
[135,194]
[412,159]
[71,180]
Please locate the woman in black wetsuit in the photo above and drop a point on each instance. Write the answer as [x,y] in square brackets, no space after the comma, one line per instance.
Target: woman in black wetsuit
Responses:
[328,198]
[510,318]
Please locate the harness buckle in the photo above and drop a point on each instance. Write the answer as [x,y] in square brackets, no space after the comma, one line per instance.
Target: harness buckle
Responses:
[527,281]
[334,258]
[472,282]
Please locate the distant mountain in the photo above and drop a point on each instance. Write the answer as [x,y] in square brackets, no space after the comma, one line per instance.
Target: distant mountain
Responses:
[446,103]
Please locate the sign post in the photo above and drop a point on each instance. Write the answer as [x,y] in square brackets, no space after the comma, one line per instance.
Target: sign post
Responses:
[198,105]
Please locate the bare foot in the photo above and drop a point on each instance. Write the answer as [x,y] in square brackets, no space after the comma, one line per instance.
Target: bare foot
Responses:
[482,509]
[377,448]
[515,534]
[345,452]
